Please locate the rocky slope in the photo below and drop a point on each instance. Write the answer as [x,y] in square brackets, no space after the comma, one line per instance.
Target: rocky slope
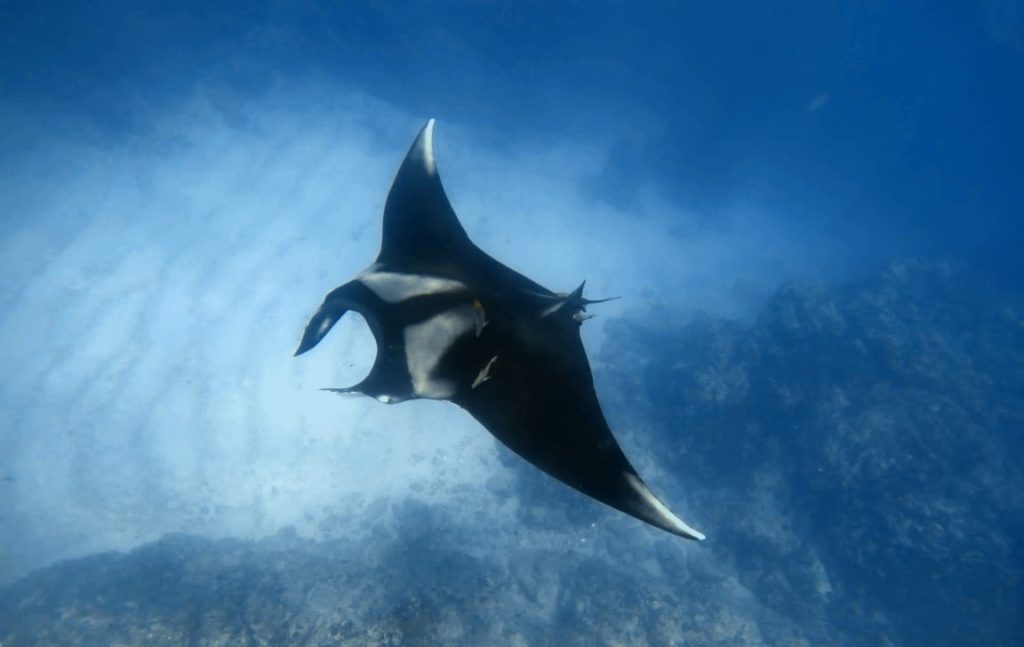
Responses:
[857,449]
[853,456]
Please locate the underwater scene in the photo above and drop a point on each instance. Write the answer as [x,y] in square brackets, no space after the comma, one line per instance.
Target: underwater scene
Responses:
[491,323]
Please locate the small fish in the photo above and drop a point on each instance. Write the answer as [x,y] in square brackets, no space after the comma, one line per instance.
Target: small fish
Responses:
[484,374]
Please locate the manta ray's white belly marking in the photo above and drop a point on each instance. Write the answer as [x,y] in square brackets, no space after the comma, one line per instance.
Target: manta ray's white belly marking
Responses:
[428,341]
[393,287]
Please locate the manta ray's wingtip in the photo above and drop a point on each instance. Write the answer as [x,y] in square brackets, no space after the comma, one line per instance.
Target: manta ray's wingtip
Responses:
[656,513]
[693,534]
[424,146]
[677,526]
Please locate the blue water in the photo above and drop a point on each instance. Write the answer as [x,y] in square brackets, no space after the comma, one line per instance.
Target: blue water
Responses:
[813,214]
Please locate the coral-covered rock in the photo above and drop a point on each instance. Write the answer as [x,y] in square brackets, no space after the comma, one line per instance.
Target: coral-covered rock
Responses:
[857,449]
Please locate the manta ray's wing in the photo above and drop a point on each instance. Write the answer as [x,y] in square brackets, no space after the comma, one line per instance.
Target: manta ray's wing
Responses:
[453,323]
[423,236]
[421,232]
[539,400]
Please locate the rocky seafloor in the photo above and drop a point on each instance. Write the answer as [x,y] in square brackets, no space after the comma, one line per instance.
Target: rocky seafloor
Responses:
[853,455]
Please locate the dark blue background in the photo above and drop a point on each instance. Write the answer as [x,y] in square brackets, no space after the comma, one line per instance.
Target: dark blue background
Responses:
[852,451]
[896,124]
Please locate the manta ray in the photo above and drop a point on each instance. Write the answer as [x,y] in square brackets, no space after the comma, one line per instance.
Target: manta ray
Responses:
[452,323]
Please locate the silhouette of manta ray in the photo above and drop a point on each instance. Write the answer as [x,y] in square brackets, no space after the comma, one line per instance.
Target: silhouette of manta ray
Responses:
[451,323]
